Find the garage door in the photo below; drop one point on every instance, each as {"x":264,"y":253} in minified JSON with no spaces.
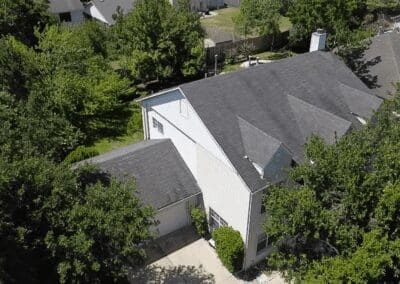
{"x":173,"y":218}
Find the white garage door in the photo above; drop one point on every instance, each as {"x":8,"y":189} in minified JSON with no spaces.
{"x":173,"y":218}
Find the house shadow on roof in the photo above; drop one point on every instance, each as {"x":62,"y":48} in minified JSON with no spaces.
{"x":362,"y":67}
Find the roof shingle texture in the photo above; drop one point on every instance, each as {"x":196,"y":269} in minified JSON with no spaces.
{"x":63,"y":6}
{"x":383,"y":59}
{"x":288,"y":100}
{"x":162,"y":177}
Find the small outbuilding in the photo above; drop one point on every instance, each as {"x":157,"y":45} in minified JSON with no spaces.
{"x":162,"y":179}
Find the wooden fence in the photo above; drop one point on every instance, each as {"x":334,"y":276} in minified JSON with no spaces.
{"x":260,"y":44}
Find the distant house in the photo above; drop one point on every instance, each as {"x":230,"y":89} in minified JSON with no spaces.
{"x":105,"y":10}
{"x":239,"y":133}
{"x":69,"y":11}
{"x":162,"y":178}
{"x":382,"y":62}
{"x":203,"y":5}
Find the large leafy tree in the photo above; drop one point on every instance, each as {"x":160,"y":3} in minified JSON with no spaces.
{"x":80,"y":82}
{"x":20,"y":17}
{"x":340,"y":18}
{"x":340,"y":223}
{"x":159,"y":41}
{"x":260,"y":17}
{"x":68,"y":226}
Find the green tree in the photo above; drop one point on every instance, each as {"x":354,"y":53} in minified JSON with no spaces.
{"x":159,"y":41}
{"x":74,"y":226}
{"x":20,"y":17}
{"x":339,"y":223}
{"x":260,"y":17}
{"x":339,"y":18}
{"x":97,"y":237}
{"x":80,"y":82}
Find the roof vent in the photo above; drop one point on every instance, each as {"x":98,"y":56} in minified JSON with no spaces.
{"x":318,"y":40}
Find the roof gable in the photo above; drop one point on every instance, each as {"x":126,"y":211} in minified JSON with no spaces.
{"x":279,"y":103}
{"x":162,"y":177}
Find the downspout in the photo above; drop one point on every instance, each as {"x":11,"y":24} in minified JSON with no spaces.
{"x":248,"y":230}
{"x":145,"y":122}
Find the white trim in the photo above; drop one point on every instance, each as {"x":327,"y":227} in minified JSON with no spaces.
{"x":178,"y":202}
{"x":139,"y":100}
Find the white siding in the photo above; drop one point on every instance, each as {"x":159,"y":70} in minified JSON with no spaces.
{"x":185,"y":130}
{"x":223,"y":191}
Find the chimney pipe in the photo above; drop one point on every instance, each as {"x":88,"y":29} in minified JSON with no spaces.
{"x":318,"y":40}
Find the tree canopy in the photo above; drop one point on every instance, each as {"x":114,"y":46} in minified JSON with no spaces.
{"x":159,"y":41}
{"x":341,"y":223}
{"x":20,"y":18}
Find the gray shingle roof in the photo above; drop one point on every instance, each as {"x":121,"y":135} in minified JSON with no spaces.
{"x":286,"y":101}
{"x":62,"y":6}
{"x":162,"y":177}
{"x":109,"y":7}
{"x":385,"y":50}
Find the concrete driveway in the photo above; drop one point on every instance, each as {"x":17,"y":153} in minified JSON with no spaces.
{"x":195,"y":262}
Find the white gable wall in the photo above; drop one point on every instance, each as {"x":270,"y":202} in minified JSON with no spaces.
{"x":223,"y":189}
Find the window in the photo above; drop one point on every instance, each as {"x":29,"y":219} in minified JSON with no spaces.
{"x":262,"y":208}
{"x":65,"y":17}
{"x":262,"y":242}
{"x":216,"y":221}
{"x":158,"y":125}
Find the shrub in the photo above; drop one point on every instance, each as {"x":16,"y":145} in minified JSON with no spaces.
{"x":135,"y":122}
{"x":199,"y":221}
{"x":230,"y":248}
{"x":79,"y":154}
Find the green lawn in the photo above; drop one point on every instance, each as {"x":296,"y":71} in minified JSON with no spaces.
{"x":224,"y":22}
{"x":108,"y":144}
{"x":267,"y":55}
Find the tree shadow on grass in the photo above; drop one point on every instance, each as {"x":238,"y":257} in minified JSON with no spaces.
{"x":181,"y":274}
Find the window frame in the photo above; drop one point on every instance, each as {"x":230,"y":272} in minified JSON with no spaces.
{"x":262,"y":243}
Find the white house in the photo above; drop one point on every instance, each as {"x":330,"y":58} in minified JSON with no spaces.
{"x":203,"y":5}
{"x":68,"y":11}
{"x":239,"y":133}
{"x":105,"y":10}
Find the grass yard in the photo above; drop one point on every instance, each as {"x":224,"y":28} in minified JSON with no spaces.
{"x":108,"y":144}
{"x":267,"y":55}
{"x":224,"y":21}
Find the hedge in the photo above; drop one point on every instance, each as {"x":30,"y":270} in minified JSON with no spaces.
{"x":199,"y":221}
{"x":230,"y":248}
{"x":80,"y":153}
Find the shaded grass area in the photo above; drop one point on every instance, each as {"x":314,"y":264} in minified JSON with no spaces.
{"x":132,"y":133}
{"x":224,"y":21}
{"x":108,"y":144}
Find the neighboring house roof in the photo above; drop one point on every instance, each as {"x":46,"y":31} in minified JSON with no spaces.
{"x":262,"y":113}
{"x":383,"y":61}
{"x":63,"y":6}
{"x":162,"y":177}
{"x":108,"y":8}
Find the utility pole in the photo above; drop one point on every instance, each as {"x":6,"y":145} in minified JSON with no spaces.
{"x":216,"y":64}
